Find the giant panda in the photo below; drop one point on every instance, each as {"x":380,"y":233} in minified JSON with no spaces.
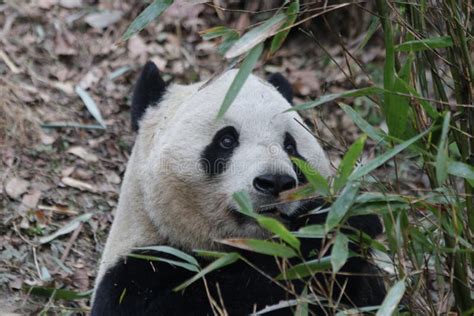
{"x":177,"y":191}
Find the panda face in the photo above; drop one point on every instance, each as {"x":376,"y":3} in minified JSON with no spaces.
{"x":195,"y":162}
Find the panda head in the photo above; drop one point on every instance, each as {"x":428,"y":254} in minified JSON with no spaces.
{"x":187,"y":163}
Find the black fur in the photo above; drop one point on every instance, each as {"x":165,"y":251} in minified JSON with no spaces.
{"x":142,"y":287}
{"x":214,"y":158}
{"x":289,"y":140}
{"x":282,"y":85}
{"x":148,"y":90}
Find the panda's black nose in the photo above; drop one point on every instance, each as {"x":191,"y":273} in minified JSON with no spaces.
{"x":274,"y":183}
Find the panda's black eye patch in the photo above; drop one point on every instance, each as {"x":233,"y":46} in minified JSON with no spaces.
{"x":289,"y":145}
{"x":216,"y":155}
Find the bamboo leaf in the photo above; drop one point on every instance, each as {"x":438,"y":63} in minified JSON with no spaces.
{"x":424,"y":44}
{"x":392,"y":299}
{"x":348,"y":162}
{"x":380,"y":160}
{"x":219,"y":263}
{"x":58,"y":294}
{"x":245,"y":69}
{"x":181,"y":264}
{"x":442,"y":154}
{"x":154,"y":10}
{"x":66,"y":229}
{"x":460,"y":169}
{"x":331,"y":97}
{"x":279,"y":38}
{"x":342,"y":204}
{"x":317,"y":181}
{"x":172,"y":251}
{"x":305,"y":269}
{"x":372,"y":132}
{"x":245,"y":205}
{"x":339,"y":252}
{"x":261,"y":246}
{"x":280,"y":230}
{"x":256,"y":36}
{"x":90,"y":105}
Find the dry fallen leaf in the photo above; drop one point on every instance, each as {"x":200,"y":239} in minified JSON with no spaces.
{"x":82,"y":153}
{"x":81,"y":185}
{"x":70,"y":4}
{"x":103,"y":19}
{"x":31,"y":200}
{"x":16,"y":187}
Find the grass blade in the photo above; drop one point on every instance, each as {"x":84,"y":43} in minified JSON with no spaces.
{"x":219,"y":263}
{"x":150,"y":13}
{"x":245,"y":69}
{"x":256,"y":36}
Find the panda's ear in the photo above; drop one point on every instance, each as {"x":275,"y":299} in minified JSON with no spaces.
{"x":282,"y":85}
{"x":148,"y":90}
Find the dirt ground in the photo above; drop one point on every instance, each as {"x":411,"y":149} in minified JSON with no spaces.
{"x":60,"y":175}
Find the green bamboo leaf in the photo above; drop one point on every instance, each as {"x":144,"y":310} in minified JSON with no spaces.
{"x":374,"y":25}
{"x":261,"y":246}
{"x":256,"y":36}
{"x":245,"y":204}
{"x":339,"y":252}
{"x":424,"y":44}
{"x":58,"y":294}
{"x":172,"y":251}
{"x":181,"y":264}
{"x":331,"y":97}
{"x":442,"y":154}
{"x":219,"y":263}
{"x":317,"y":181}
{"x":312,"y":231}
{"x":392,"y":299}
{"x":396,"y":106}
{"x":245,"y":69}
{"x":374,"y":133}
{"x":279,"y":38}
{"x":380,"y":160}
{"x":218,"y":31}
{"x":348,"y":162}
{"x":305,"y":269}
{"x":342,"y":204}
{"x":460,"y":169}
{"x":280,"y":230}
{"x":150,"y":13}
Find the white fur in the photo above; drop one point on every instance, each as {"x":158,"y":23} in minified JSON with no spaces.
{"x":166,"y":196}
